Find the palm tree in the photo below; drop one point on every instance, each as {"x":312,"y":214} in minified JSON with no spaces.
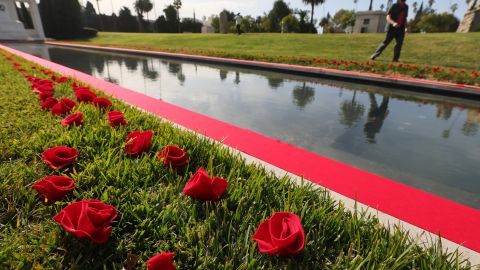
{"x":143,"y":6}
{"x":178,"y":4}
{"x":99,"y":16}
{"x":313,"y":3}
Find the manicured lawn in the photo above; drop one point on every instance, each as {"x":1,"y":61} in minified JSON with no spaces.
{"x":447,"y":49}
{"x":153,"y":214}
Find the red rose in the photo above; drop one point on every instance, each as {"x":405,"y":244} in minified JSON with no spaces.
{"x":102,"y":103}
{"x":65,"y":105}
{"x":54,"y":188}
{"x":44,"y":95}
{"x":138,"y":142}
{"x":62,"y":80}
{"x":59,"y":157}
{"x":116,"y":119}
{"x":85,"y":95}
{"x":173,"y":156}
{"x":282,"y":235}
{"x":49,"y":103}
{"x":163,"y":261}
{"x":89,"y":219}
{"x":202,"y":187}
{"x":73,"y":119}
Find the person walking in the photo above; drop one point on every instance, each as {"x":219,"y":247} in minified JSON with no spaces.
{"x":397,"y":26}
{"x":238,"y":21}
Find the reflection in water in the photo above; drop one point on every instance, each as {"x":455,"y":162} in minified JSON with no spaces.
{"x":427,"y":142}
{"x":376,"y":116}
{"x":275,"y":82}
{"x":303,"y":95}
{"x":237,"y":78}
{"x":223,"y":74}
{"x":351,"y":111}
{"x":470,"y":128}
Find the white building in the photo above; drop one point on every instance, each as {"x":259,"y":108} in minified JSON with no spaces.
{"x":370,"y":22}
{"x":11,"y":16}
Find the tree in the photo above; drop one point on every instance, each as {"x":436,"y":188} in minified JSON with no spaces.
{"x":303,"y":26}
{"x":430,"y":3}
{"x":90,"y":17}
{"x":61,"y":18}
{"x":454,"y":8}
{"x":191,"y":25}
{"x":443,"y":22}
{"x":178,"y":5}
{"x":313,"y":3}
{"x":344,"y":18}
{"x":291,"y":23}
{"x":141,"y":7}
{"x":171,"y":17}
{"x":279,"y":11}
{"x":126,"y":21}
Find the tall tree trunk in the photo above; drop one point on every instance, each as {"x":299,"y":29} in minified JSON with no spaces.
{"x":311,"y":18}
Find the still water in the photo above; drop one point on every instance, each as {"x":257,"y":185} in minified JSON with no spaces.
{"x":428,"y":142}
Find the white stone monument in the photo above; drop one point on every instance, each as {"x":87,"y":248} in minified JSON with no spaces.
{"x":11,"y":28}
{"x":471,"y":20}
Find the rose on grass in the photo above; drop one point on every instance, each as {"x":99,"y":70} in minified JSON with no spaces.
{"x":54,"y":188}
{"x":62,"y":79}
{"x":44,"y":95}
{"x":202,"y":187}
{"x":102,"y":103}
{"x":88,"y":219}
{"x":49,"y":103}
{"x":282,"y":235}
{"x":138,"y":142}
{"x":162,"y":261}
{"x":85,"y":95}
{"x":73,"y":119}
{"x":116,"y":119}
{"x":59,"y":157}
{"x":173,"y":156}
{"x":65,"y":105}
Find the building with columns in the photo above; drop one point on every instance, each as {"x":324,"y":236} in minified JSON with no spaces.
{"x":20,"y":20}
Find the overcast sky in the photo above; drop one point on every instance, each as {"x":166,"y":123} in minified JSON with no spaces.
{"x":258,"y":7}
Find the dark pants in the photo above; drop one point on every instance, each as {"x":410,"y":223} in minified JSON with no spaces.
{"x":393,"y":33}
{"x":238,"y":29}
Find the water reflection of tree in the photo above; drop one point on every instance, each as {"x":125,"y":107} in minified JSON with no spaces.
{"x":376,"y":116}
{"x":131,"y":63}
{"x":351,"y":111}
{"x":444,"y":110}
{"x":237,"y":78}
{"x":303,"y":95}
{"x":223,"y":74}
{"x":470,"y":127}
{"x":275,"y":83}
{"x":148,"y":70}
{"x":177,"y":70}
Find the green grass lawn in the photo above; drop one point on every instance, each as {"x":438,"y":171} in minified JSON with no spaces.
{"x":153,"y":214}
{"x":446,"y":49}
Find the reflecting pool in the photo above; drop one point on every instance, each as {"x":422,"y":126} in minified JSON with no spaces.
{"x":425,"y":141}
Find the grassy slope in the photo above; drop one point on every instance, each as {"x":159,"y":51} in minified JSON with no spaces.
{"x":446,"y":49}
{"x":153,"y":216}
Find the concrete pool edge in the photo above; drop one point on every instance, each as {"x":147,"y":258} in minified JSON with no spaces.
{"x":455,"y":222}
{"x":407,"y":83}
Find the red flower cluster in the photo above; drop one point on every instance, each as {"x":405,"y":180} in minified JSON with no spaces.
{"x":282,"y":234}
